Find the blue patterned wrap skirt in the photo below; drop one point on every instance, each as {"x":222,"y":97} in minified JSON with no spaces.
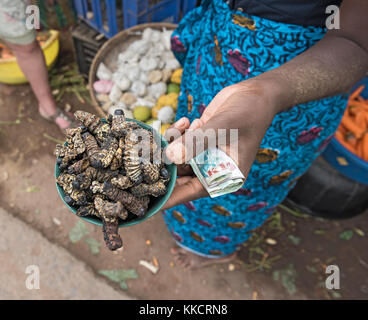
{"x":218,"y":47}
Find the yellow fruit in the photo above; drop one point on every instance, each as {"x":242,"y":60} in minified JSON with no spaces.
{"x":164,"y":127}
{"x":176,"y":76}
{"x":175,"y":97}
{"x":155,"y":110}
{"x":142,"y":113}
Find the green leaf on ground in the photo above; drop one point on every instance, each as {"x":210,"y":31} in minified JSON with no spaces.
{"x":37,"y":211}
{"x":346,"y":235}
{"x":120,"y":276}
{"x":335,"y":295}
{"x":78,"y":232}
{"x":319,"y":232}
{"x":311,"y":269}
{"x":293,"y":212}
{"x":295,"y":240}
{"x":30,"y":189}
{"x":287,"y":277}
{"x":94,"y":245}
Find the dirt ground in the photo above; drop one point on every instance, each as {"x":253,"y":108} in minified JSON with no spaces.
{"x":285,"y":259}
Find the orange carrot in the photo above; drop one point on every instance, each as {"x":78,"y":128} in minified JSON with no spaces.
{"x":349,"y":124}
{"x":360,"y":119}
{"x":346,"y":145}
{"x":356,"y":92}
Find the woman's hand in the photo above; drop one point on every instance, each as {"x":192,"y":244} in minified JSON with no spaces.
{"x":248,"y":107}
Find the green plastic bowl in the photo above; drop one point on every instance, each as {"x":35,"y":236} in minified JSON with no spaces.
{"x":155,"y":204}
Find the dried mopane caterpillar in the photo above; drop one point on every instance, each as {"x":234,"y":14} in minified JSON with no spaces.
{"x":137,"y":152}
{"x":100,"y":157}
{"x":79,"y":166}
{"x":117,"y":160}
{"x":93,"y":150}
{"x":151,"y":172}
{"x":84,"y":180}
{"x":89,"y":120}
{"x":102,"y":132}
{"x":131,"y":158}
{"x":109,"y":213}
{"x":132,"y":203}
{"x":87,"y":210}
{"x":75,"y":147}
{"x":122,"y":182}
{"x":109,"y":148}
{"x":76,"y":198}
{"x":65,"y":180}
{"x":156,"y":189}
{"x":119,"y":126}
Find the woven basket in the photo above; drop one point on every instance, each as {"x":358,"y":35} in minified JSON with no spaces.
{"x":108,"y":54}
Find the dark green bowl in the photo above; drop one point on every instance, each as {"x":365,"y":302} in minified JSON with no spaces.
{"x":156,"y":203}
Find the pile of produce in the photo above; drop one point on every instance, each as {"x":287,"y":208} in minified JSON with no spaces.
{"x":146,"y":82}
{"x":110,"y":169}
{"x":5,"y":52}
{"x":353,"y":130}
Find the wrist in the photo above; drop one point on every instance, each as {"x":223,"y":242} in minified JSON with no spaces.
{"x":273,"y":92}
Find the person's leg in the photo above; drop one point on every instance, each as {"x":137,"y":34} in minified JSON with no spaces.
{"x":32,"y":62}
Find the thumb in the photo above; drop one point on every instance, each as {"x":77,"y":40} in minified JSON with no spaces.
{"x":198,"y":138}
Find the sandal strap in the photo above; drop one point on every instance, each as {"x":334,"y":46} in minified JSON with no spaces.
{"x":60,"y":114}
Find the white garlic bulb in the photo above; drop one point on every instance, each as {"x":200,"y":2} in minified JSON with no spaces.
{"x":103,"y":73}
{"x":143,"y":77}
{"x":140,"y":46}
{"x":156,"y":50}
{"x":132,"y":72}
{"x":166,"y":114}
{"x":127,"y":56}
{"x":121,"y":81}
{"x":166,"y":38}
{"x":146,"y":102}
{"x":172,"y":64}
{"x":115,"y":93}
{"x":155,"y":36}
{"x":157,"y":90}
{"x":167,"y":55}
{"x":138,"y":88}
{"x":148,"y":63}
{"x":147,"y":34}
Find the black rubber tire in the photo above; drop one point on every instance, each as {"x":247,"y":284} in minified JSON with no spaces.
{"x":324,"y":192}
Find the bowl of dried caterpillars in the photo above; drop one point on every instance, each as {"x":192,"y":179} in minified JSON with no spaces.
{"x":111,"y":172}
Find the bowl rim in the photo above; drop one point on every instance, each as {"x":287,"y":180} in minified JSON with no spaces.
{"x":359,"y":162}
{"x":164,"y":198}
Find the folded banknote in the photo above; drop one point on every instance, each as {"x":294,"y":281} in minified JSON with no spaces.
{"x":217,"y":172}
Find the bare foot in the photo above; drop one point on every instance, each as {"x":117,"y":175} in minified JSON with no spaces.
{"x":190,"y":260}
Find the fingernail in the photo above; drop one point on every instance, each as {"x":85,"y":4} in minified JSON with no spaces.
{"x":195,"y":124}
{"x":180,"y":123}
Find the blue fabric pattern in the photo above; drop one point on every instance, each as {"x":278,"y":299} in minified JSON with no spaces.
{"x":219,"y":47}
